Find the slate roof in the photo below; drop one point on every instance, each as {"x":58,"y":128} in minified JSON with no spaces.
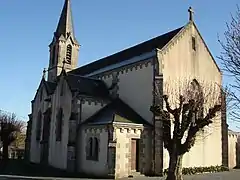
{"x":233,"y":132}
{"x":147,"y":46}
{"x":87,"y":86}
{"x":50,"y":86}
{"x":84,"y":85}
{"x":97,"y":88}
{"x":117,"y":107}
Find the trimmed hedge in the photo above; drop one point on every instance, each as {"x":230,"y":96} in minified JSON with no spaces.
{"x":199,"y":170}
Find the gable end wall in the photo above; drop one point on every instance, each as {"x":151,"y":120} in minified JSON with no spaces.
{"x":182,"y":63}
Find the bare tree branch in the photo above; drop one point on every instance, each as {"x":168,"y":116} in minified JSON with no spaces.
{"x":189,"y":107}
{"x":230,"y":60}
{"x":10,"y":125}
{"x":200,"y":124}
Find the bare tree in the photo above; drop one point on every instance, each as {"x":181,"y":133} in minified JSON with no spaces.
{"x":189,"y":107}
{"x":10,"y":126}
{"x":230,"y":59}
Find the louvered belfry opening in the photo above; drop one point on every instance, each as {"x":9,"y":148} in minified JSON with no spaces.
{"x":69,"y":54}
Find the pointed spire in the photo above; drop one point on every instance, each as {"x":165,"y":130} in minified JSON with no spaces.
{"x":65,"y":24}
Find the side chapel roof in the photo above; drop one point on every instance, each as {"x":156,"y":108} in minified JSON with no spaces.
{"x":87,"y":86}
{"x":50,"y":86}
{"x":84,"y":85}
{"x":117,"y":108}
{"x":147,"y":46}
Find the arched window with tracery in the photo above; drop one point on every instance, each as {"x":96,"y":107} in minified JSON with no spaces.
{"x":96,"y":149}
{"x":39,"y":126}
{"x":69,"y":54}
{"x":197,"y":95}
{"x":89,"y":148}
{"x":92,"y":149}
{"x":59,"y":123}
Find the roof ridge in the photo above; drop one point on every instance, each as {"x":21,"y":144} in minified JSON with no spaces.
{"x":50,"y":82}
{"x":136,"y":50}
{"x":155,"y":37}
{"x":85,"y":77}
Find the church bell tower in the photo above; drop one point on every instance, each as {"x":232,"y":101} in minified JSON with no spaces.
{"x":64,"y":47}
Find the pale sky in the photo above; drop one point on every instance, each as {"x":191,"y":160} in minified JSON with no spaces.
{"x":102,"y":28}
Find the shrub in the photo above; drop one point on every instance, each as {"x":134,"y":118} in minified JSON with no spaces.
{"x":199,"y":170}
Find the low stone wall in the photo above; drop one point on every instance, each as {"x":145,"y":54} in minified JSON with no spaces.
{"x":233,"y":149}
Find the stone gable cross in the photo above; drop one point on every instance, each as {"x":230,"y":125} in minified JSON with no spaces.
{"x":44,"y":73}
{"x":190,"y":10}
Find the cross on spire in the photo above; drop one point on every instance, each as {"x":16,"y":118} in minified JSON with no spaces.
{"x":190,"y":10}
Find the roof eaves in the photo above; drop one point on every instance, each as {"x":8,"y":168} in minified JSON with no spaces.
{"x":164,"y":48}
{"x":38,"y":89}
{"x":91,"y":119}
{"x":205,"y":44}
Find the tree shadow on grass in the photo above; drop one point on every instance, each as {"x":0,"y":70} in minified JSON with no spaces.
{"x":23,"y":168}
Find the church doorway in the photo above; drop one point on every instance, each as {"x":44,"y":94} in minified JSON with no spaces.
{"x":135,"y":155}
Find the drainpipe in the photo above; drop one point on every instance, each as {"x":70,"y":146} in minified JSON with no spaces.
{"x":157,"y":72}
{"x":153,"y":102}
{"x":108,"y":140}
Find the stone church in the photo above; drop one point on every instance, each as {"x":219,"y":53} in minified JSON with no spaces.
{"x":96,"y":118}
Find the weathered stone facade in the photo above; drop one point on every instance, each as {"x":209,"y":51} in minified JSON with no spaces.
{"x":99,"y":115}
{"x":124,"y":134}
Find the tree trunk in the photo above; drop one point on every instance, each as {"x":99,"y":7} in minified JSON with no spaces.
{"x":175,"y":167}
{"x":5,"y":151}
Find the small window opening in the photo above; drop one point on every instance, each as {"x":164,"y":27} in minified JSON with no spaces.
{"x":53,"y":54}
{"x":194,"y":43}
{"x":59,"y":123}
{"x":39,"y":126}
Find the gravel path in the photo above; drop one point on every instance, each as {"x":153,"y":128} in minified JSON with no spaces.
{"x":231,"y":175}
{"x":228,"y":175}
